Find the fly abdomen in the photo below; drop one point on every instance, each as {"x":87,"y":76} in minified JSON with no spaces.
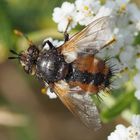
{"x":87,"y":78}
{"x":90,"y":82}
{"x":90,"y":74}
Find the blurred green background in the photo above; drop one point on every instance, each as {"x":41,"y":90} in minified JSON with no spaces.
{"x":25,"y":113}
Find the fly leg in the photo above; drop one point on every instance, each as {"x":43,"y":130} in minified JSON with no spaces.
{"x":49,"y":43}
{"x":66,"y":35}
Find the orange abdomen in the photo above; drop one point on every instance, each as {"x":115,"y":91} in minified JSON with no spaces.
{"x":90,"y":74}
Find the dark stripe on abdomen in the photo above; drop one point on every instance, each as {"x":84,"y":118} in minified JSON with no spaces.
{"x":86,"y":77}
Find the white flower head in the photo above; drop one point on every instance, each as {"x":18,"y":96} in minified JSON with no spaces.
{"x":137,"y":94}
{"x":86,"y":10}
{"x":122,"y":3}
{"x":119,"y":82}
{"x":119,"y":133}
{"x":127,"y":133}
{"x":117,"y":6}
{"x":134,"y":12}
{"x":133,"y":133}
{"x":127,"y":56}
{"x":125,"y":19}
{"x":138,"y":25}
{"x":104,"y":11}
{"x":64,"y":15}
{"x":138,"y":63}
{"x":136,"y":121}
{"x":136,"y":81}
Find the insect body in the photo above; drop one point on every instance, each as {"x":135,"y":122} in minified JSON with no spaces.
{"x":72,"y":70}
{"x":91,"y":74}
{"x":51,"y":66}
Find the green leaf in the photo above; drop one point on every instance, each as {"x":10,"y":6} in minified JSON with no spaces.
{"x":26,"y":133}
{"x":121,"y":104}
{"x":135,"y":107}
{"x":137,"y":39}
{"x":102,"y":2}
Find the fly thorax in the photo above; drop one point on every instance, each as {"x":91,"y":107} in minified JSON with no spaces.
{"x":51,"y":66}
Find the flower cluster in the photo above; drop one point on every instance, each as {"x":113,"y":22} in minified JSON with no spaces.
{"x":127,"y":133}
{"x":125,"y":27}
{"x":137,"y":79}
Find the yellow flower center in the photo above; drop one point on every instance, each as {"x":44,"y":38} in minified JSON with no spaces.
{"x":86,"y":8}
{"x":133,"y":133}
{"x":122,"y":8}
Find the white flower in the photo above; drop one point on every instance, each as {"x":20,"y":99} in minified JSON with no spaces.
{"x":118,"y":134}
{"x":117,"y":6}
{"x":137,"y":94}
{"x":125,"y":22}
{"x":134,"y":15}
{"x":104,"y":11}
{"x":133,"y":133}
{"x":134,"y":12}
{"x":122,"y":3}
{"x":86,"y":10}
{"x":124,"y":77}
{"x":136,"y":121}
{"x":138,"y":63}
{"x":138,"y":25}
{"x":136,"y":81}
{"x":127,"y":56}
{"x":127,"y":133}
{"x":64,"y":15}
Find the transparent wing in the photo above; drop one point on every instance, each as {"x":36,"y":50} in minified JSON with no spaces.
{"x":80,"y":104}
{"x":91,"y":39}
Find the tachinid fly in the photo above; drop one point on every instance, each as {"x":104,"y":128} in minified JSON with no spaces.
{"x":72,"y":70}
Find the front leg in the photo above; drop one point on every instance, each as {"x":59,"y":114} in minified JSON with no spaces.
{"x":49,"y":44}
{"x":66,"y":36}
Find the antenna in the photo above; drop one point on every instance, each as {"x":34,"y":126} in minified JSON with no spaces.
{"x":19,"y":33}
{"x":13,"y":57}
{"x":17,"y":56}
{"x":13,"y":52}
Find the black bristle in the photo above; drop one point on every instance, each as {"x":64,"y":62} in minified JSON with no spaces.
{"x":107,"y":59}
{"x":99,"y":98}
{"x":110,"y":77}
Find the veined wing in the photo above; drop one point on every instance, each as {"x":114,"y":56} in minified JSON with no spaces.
{"x":79,"y":103}
{"x":91,"y":39}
